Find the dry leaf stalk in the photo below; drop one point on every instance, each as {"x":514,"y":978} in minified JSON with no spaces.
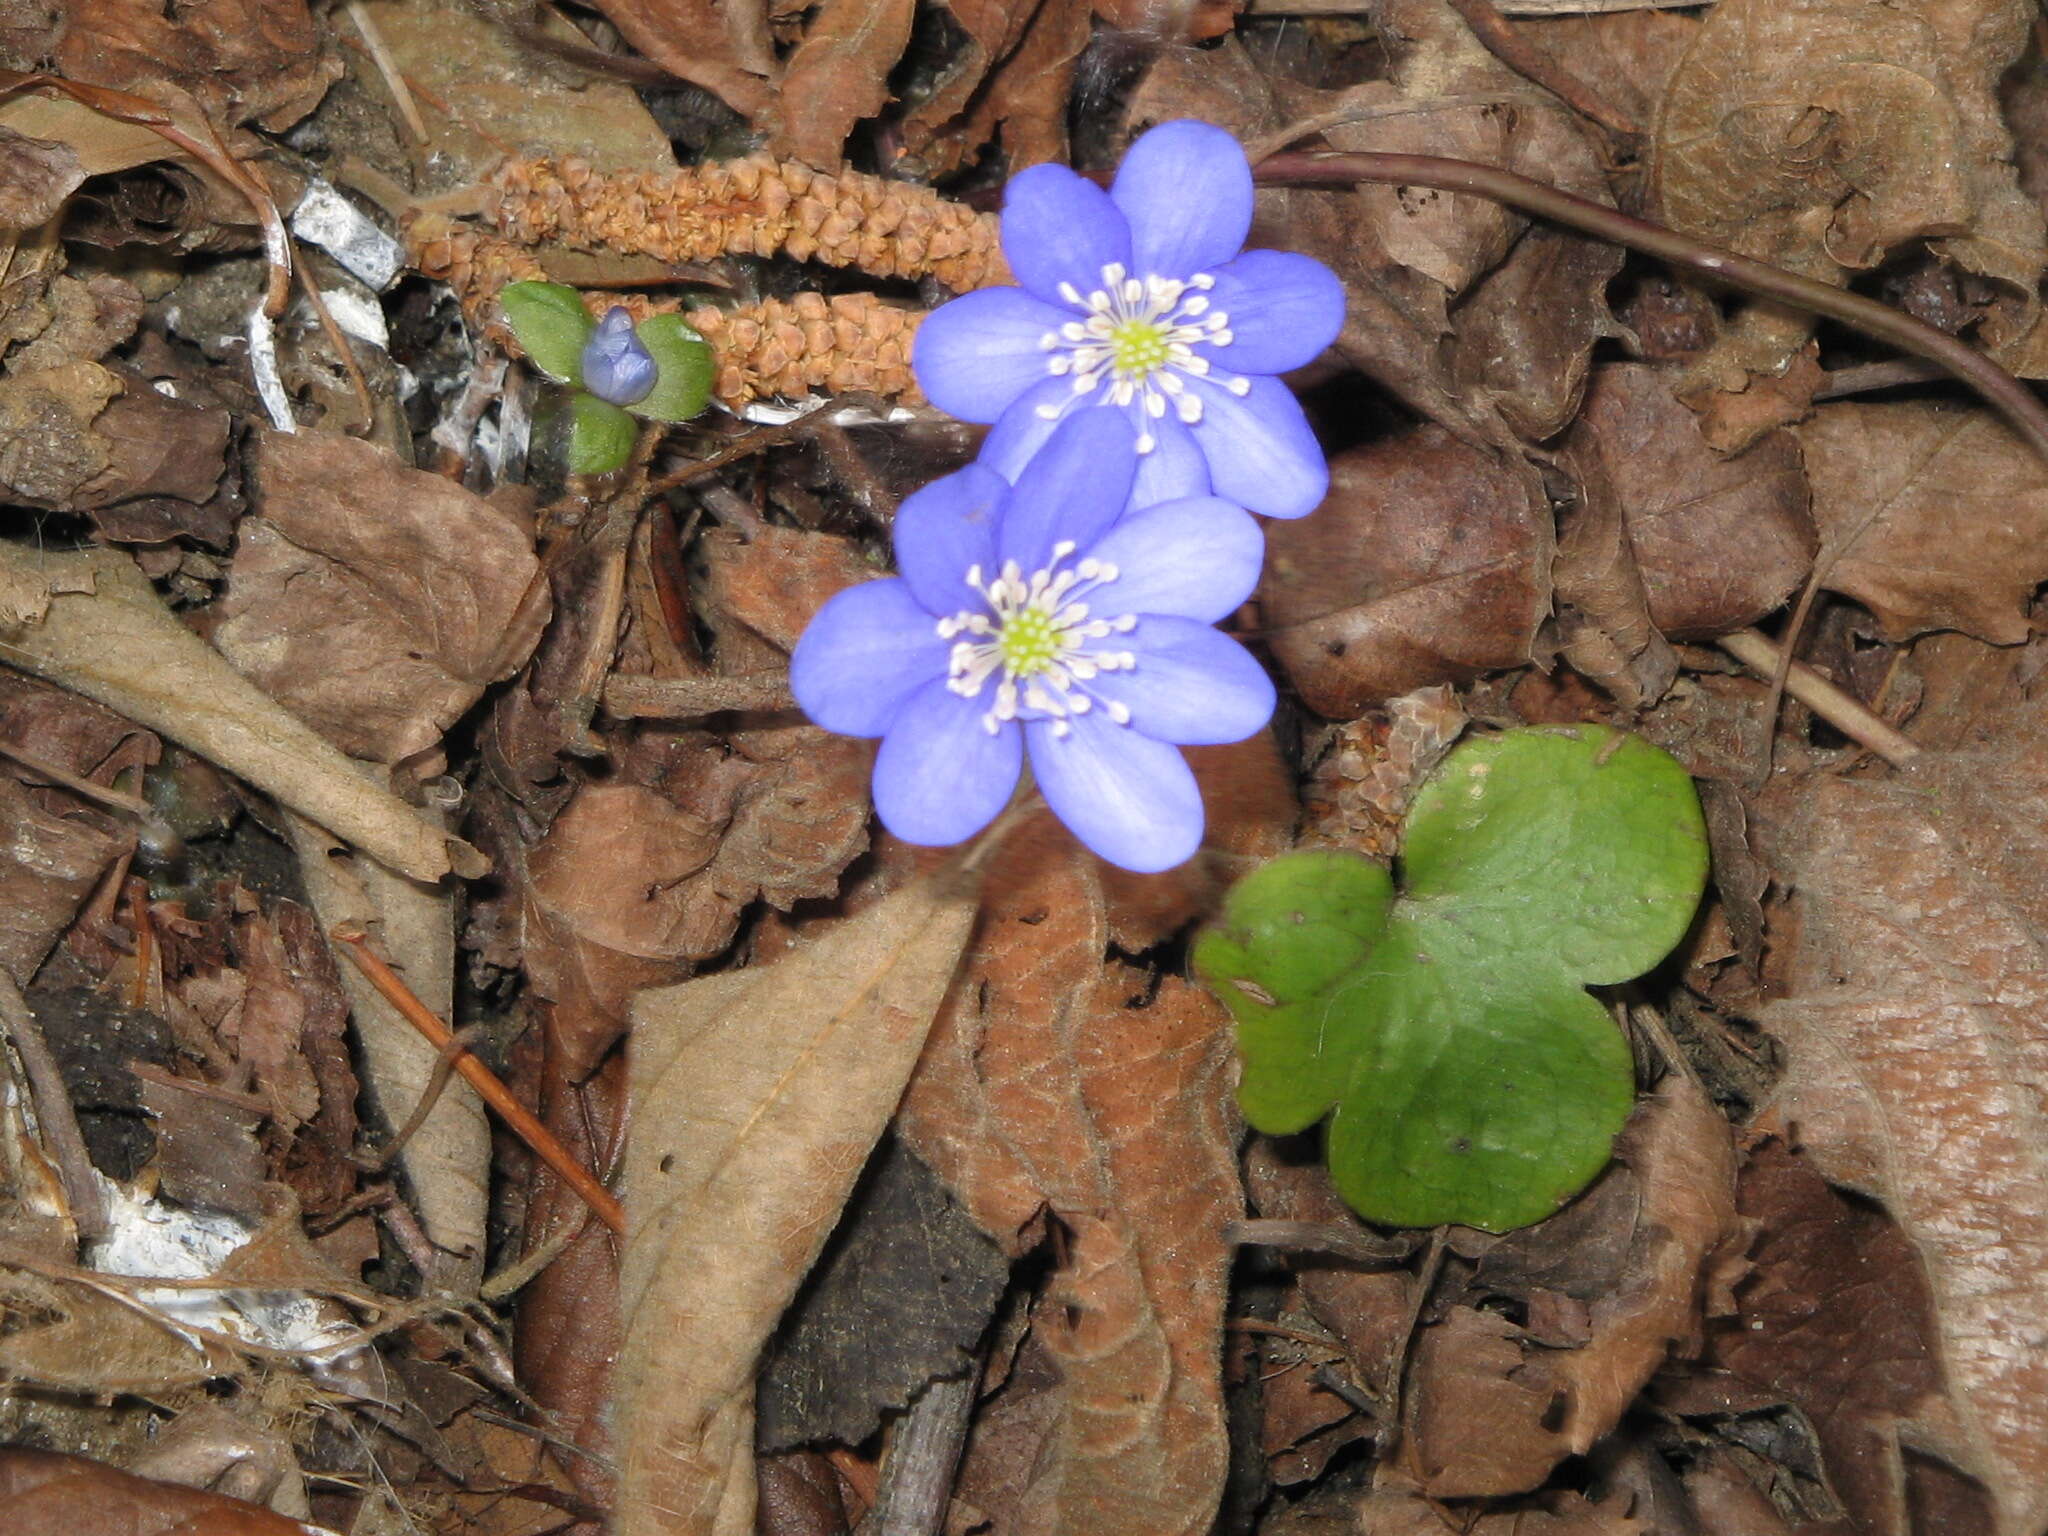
{"x":756,"y":207}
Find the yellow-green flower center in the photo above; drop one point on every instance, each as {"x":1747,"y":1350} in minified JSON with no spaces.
{"x":1137,"y":348}
{"x":1037,"y":641}
{"x":1029,"y":642}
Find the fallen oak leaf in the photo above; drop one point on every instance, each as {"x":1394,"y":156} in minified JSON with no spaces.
{"x":757,"y":1095}
{"x":1933,"y":517}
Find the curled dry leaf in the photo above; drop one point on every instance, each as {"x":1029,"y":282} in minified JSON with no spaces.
{"x":1914,"y":1047}
{"x":244,"y":60}
{"x":1490,"y":1411}
{"x":1718,"y":542}
{"x":1932,"y":516}
{"x":839,"y":74}
{"x":375,"y":601}
{"x":46,"y":1493}
{"x":1428,"y":563}
{"x":108,"y":636}
{"x":757,"y":1095}
{"x":721,"y":45}
{"x":1052,"y":1090}
{"x":1822,"y":134}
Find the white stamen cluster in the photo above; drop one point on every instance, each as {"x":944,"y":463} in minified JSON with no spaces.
{"x":1138,"y":336}
{"x":1038,"y":634}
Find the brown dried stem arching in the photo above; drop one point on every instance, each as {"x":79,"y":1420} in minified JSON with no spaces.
{"x":1999,"y":389}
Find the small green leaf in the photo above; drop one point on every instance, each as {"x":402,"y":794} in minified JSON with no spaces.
{"x":684,"y":364}
{"x":600,"y":435}
{"x":1468,"y":1075}
{"x":552,"y":326}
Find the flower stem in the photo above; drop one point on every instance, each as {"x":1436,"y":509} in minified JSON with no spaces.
{"x":1999,"y":389}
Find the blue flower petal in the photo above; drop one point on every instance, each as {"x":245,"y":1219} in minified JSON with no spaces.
{"x":1187,"y":190}
{"x":1173,"y":469}
{"x":941,"y":776}
{"x":1130,"y":798}
{"x":868,"y":650}
{"x":1072,"y":490}
{"x":1192,"y":686}
{"x":1061,"y":228}
{"x":980,"y":352}
{"x":1261,"y":452}
{"x":1021,"y":431}
{"x":1195,"y":559}
{"x":617,"y":368}
{"x":1282,"y":308}
{"x":944,"y":529}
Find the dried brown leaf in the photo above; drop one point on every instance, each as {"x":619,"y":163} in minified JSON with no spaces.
{"x":1933,"y":517}
{"x":1491,"y":1412}
{"x":1836,"y":1317}
{"x":1053,"y":1089}
{"x":992,"y":28}
{"x":46,"y":1493}
{"x":48,"y":450}
{"x":839,"y":74}
{"x":1428,"y":563}
{"x":511,"y":94}
{"x":1913,"y":1031}
{"x":1719,"y":542}
{"x":721,"y":45}
{"x":244,"y":60}
{"x":1823,"y":134}
{"x":37,"y":176}
{"x":757,"y":1096}
{"x":1391,"y":1512}
{"x":1530,"y":303}
{"x":374,"y":600}
{"x":49,"y":863}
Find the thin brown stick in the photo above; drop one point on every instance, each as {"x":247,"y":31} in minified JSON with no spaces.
{"x":1760,"y":654}
{"x":1998,"y":389}
{"x":1533,"y":64}
{"x":546,"y":1147}
{"x":57,"y":1120}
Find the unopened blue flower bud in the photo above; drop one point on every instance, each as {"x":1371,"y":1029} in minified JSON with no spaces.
{"x":616,"y":367}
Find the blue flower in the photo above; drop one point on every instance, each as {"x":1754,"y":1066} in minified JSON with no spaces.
{"x":1138,"y":298}
{"x":1044,"y":620}
{"x":616,"y":367}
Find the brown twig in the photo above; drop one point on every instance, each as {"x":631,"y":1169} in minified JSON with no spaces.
{"x":1998,"y":389}
{"x":1533,"y":64}
{"x":54,"y":1114}
{"x":546,"y":1147}
{"x":1761,"y":655}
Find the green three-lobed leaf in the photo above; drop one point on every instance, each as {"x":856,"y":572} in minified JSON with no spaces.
{"x":1445,"y":1030}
